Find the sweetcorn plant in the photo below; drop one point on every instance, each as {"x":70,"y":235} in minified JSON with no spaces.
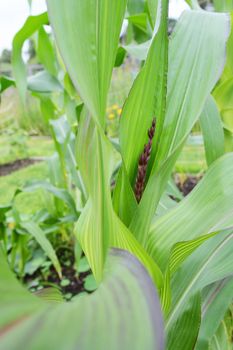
{"x":136,"y":238}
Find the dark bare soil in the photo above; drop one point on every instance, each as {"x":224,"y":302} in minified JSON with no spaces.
{"x":49,"y":278}
{"x":8,"y":168}
{"x":76,"y":285}
{"x":188,"y":185}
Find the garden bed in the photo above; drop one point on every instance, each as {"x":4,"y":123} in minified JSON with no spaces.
{"x":8,"y":168}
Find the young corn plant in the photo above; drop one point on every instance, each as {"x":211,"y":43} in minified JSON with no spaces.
{"x":134,"y":243}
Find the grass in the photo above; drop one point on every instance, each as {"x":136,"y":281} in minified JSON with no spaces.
{"x":192,"y":158}
{"x":18,"y":145}
{"x":13,"y":115}
{"x":25,"y":202}
{"x":191,"y":161}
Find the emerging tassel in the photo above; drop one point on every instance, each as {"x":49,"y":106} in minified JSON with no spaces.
{"x":143,"y":163}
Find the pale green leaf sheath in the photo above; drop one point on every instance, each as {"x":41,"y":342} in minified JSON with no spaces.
{"x":89,"y":46}
{"x":98,"y":227}
{"x":32,"y":24}
{"x":31,"y":323}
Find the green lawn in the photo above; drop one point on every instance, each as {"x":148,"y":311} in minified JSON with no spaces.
{"x":192,"y":160}
{"x":19,"y":145}
{"x":25,"y":202}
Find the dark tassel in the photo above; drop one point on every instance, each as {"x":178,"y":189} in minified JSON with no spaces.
{"x":143,"y":163}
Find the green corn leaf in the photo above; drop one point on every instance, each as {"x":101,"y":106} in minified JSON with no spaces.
{"x":32,"y":24}
{"x":88,"y":51}
{"x":223,"y":95}
{"x":140,"y":21}
{"x":212,"y":130}
{"x":198,"y":271}
{"x":16,"y":302}
{"x":33,"y":229}
{"x":185,"y":330}
{"x":179,"y":252}
{"x":220,"y":340}
{"x":141,"y":105}
{"x":228,"y":69}
{"x":98,"y":227}
{"x":5,"y":83}
{"x":165,"y":204}
{"x":51,"y":294}
{"x":223,"y":5}
{"x":153,"y":10}
{"x":43,"y":82}
{"x":122,"y":318}
{"x":138,"y":51}
{"x":193,"y":4}
{"x":187,"y":65}
{"x":65,"y":145}
{"x":206,"y":209}
{"x":62,"y":194}
{"x":139,"y":109}
{"x":46,"y":53}
{"x":215,"y":301}
{"x":135,"y":6}
{"x":173,"y":190}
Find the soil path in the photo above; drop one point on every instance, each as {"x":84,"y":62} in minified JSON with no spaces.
{"x":8,"y":168}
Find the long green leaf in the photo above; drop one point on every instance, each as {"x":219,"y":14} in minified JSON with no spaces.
{"x":216,"y":300}
{"x":46,"y":52}
{"x":220,"y":340}
{"x":122,"y":318}
{"x":87,"y":34}
{"x":187,"y":93}
{"x":228,"y":69}
{"x":5,"y":83}
{"x":62,"y":194}
{"x":43,"y":82}
{"x":223,"y":5}
{"x":135,"y":6}
{"x":33,"y":229}
{"x":145,"y":101}
{"x":32,"y":24}
{"x":212,"y":130}
{"x":206,"y":209}
{"x":199,"y":270}
{"x":153,"y":10}
{"x":224,"y":96}
{"x":185,"y":330}
{"x":15,"y":302}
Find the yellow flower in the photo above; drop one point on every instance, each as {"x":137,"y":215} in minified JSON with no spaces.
{"x":115,"y":106}
{"x":111,"y":116}
{"x":11,"y":225}
{"x":119,"y":111}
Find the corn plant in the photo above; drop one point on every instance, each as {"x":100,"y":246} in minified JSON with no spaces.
{"x":136,"y":238}
{"x":58,"y":101}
